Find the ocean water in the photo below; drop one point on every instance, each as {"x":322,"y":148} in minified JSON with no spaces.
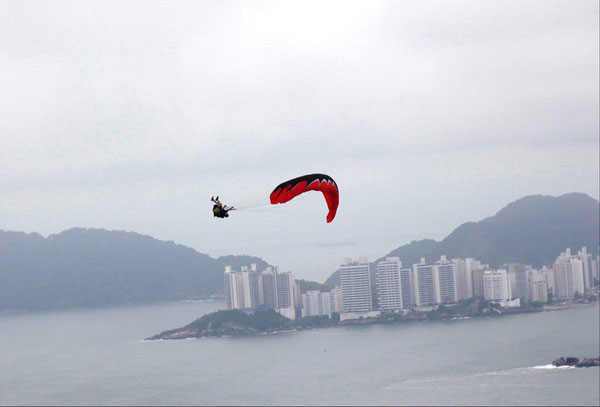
{"x":99,"y":357}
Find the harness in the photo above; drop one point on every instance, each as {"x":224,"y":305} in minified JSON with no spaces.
{"x":219,"y":212}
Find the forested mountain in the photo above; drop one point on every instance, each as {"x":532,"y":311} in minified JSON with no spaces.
{"x":91,"y":267}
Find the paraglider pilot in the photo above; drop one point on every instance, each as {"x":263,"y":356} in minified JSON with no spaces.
{"x":220,"y":210}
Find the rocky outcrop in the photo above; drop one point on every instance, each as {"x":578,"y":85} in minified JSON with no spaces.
{"x":227,"y":329}
{"x":592,"y":362}
{"x":576,"y":362}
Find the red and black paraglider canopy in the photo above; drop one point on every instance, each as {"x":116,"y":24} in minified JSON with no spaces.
{"x":313,"y":182}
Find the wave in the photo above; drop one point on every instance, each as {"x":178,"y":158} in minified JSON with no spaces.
{"x":550,"y":366}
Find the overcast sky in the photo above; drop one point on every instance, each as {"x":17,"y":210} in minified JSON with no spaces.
{"x":130,"y":115}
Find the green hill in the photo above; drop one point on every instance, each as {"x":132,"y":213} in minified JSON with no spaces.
{"x":93,"y":267}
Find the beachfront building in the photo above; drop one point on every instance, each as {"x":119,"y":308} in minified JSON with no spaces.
{"x":297,"y":297}
{"x":464,"y":288}
{"x":496,"y":286}
{"x":568,"y":275}
{"x":446,"y":281}
{"x":425,"y":284}
{"x":355,"y":279}
{"x":242,"y":288}
{"x":595,"y":270}
{"x":315,"y":303}
{"x":285,"y":295}
{"x":519,"y":280}
{"x":249,"y":290}
{"x":468,"y":274}
{"x":550,"y":281}
{"x":538,"y":286}
{"x":407,"y":288}
{"x":477,"y":280}
{"x":269,"y":287}
{"x":389,"y":284}
{"x":586,"y":260}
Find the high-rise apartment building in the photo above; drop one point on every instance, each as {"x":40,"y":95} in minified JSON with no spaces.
{"x":425,"y":283}
{"x":356,"y":288}
{"x":407,"y":288}
{"x":586,"y":260}
{"x":472,"y":265}
{"x":389,"y":284}
{"x":463,"y":270}
{"x":519,"y":280}
{"x":538,"y":286}
{"x":477,"y":279}
{"x":568,"y":275}
{"x":462,"y":280}
{"x":242,"y":288}
{"x":269,"y":286}
{"x":549,"y":275}
{"x":446,"y":281}
{"x":496,"y":286}
{"x":297,"y":295}
{"x":248,"y":289}
{"x":595,"y":270}
{"x":285,"y":294}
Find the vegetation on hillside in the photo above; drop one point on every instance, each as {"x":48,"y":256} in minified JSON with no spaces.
{"x":262,"y":320}
{"x":306,"y":285}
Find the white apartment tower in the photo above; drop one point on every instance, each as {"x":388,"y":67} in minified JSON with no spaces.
{"x":407,"y":288}
{"x":568,"y":275}
{"x":425,"y":283}
{"x":444,"y":272}
{"x":594,"y":269}
{"x":389,"y":284}
{"x":538,"y":286}
{"x":496,"y":286}
{"x":242,"y":288}
{"x":249,"y":290}
{"x":355,"y":281}
{"x":463,"y":270}
{"x":519,"y":280}
{"x":285,"y":295}
{"x":586,"y":260}
{"x":550,"y":280}
{"x":269,"y":288}
{"x":462,"y":280}
{"x":317,"y":303}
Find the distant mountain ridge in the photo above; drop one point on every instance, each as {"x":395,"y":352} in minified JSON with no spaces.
{"x":93,"y":267}
{"x":531,"y":230}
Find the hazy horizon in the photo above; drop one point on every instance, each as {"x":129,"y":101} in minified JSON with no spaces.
{"x":130,"y":116}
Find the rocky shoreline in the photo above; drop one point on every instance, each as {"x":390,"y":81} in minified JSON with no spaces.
{"x":576,"y":362}
{"x":225,"y":326}
{"x":226,"y":330}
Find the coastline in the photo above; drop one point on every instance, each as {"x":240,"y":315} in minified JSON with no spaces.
{"x":229,"y":329}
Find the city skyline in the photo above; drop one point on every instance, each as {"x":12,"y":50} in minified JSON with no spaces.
{"x":423,"y":287}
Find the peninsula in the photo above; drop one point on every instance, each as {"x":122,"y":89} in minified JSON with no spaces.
{"x":237,"y":323}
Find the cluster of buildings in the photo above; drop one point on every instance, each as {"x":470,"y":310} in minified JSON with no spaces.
{"x":422,"y":287}
{"x":250,"y":289}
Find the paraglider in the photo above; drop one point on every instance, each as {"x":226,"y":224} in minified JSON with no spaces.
{"x":220,"y":210}
{"x":288,"y":190}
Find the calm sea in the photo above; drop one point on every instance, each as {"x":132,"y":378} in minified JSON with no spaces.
{"x":98,"y":357}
